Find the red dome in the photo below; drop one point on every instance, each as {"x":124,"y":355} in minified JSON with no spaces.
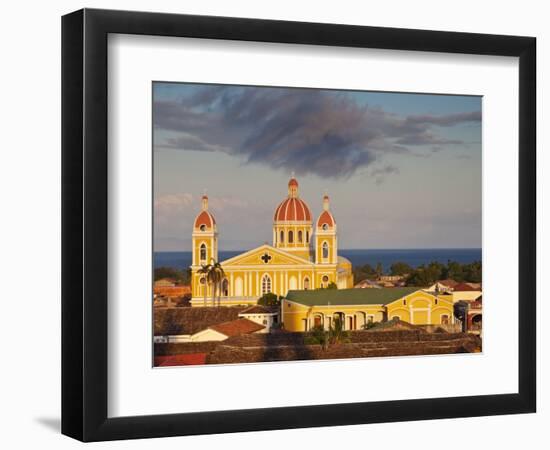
{"x":293,"y":182}
{"x":292,"y":209}
{"x":206,"y":219}
{"x":325,"y":217}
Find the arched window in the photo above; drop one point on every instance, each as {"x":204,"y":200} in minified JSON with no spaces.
{"x":307,"y":237}
{"x":324,"y":226}
{"x":282,"y":237}
{"x":203,"y":227}
{"x":203,"y":252}
{"x":225,"y":287}
{"x":324,"y":281}
{"x":300,"y":236}
{"x":306,"y":283}
{"x":325,"y":250}
{"x":266,"y":284}
{"x":290,"y":237}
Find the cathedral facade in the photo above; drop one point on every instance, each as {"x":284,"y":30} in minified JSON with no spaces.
{"x":303,"y":256}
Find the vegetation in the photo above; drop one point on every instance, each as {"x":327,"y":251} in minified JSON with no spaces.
{"x":364,"y":272}
{"x":269,"y":299}
{"x":461,"y":311}
{"x":400,"y":268}
{"x":424,"y":275}
{"x":213,"y":274}
{"x":325,"y":338}
{"x":332,"y":285}
{"x":179,"y":276}
{"x":370,"y":325}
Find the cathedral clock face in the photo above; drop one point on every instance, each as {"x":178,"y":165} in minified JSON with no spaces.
{"x":266,"y":257}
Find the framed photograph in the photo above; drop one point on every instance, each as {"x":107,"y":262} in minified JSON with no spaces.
{"x":273,"y":224}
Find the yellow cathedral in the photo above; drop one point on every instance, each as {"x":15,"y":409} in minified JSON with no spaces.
{"x":303,"y":256}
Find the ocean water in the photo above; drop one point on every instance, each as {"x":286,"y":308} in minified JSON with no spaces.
{"x":413,"y":257}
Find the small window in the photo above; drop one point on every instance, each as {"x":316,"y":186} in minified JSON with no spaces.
{"x":290,"y":237}
{"x":307,"y":237}
{"x":325,"y":250}
{"x":264,"y":322}
{"x":405,"y":302}
{"x":325,"y":279}
{"x":436,"y":301}
{"x":203,"y":227}
{"x":282,"y":238}
{"x":203,"y":252}
{"x":324,"y":226}
{"x":300,"y":236}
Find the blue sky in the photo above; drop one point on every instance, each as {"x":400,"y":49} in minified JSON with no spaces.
{"x":402,"y":170}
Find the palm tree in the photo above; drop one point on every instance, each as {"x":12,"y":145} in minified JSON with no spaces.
{"x":336,"y":332}
{"x":216,"y":276}
{"x":205,"y":271}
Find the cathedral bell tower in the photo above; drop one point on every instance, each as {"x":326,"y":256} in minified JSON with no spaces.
{"x":205,"y":236}
{"x":326,"y":241}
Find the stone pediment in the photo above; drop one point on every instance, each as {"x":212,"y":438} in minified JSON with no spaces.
{"x":265,"y":255}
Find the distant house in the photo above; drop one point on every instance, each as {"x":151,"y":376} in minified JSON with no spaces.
{"x":466,"y":291}
{"x":218,"y":332}
{"x":443,"y":286}
{"x":165,"y":282}
{"x":367,"y":284}
{"x":222,"y":331}
{"x":262,"y":315}
{"x":475,"y":316}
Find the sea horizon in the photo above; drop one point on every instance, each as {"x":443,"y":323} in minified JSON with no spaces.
{"x":358,"y":257}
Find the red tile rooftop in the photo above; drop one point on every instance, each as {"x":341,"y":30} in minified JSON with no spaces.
{"x":193,"y":359}
{"x":237,"y":327}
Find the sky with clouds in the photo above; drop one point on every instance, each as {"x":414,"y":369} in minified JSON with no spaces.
{"x":402,"y":170}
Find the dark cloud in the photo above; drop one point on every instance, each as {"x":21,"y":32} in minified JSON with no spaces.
{"x":304,"y":130}
{"x":446,"y":120}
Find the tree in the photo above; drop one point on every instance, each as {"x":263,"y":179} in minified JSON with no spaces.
{"x":379,"y":270}
{"x":460,"y":310}
{"x":336,"y":332}
{"x":204,"y":271}
{"x":318,"y":335}
{"x":400,"y":268}
{"x":216,"y":275}
{"x":269,"y":299}
{"x":332,"y":285}
{"x":169,"y":272}
{"x":365,"y":271}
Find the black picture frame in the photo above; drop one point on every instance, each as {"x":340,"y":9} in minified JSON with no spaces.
{"x":84,"y":224}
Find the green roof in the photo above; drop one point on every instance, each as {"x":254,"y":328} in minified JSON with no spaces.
{"x":342,"y":297}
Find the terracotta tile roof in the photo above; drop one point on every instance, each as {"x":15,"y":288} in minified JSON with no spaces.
{"x":463,"y":287}
{"x":237,"y":327}
{"x":258,"y":309}
{"x":449,"y":283}
{"x":192,"y":359}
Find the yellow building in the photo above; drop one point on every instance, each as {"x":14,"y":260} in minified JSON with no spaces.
{"x":303,"y":255}
{"x":302,"y":310}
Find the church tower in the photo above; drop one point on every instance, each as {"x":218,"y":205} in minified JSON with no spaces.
{"x":205,"y":236}
{"x":326,"y":241}
{"x":292,"y":224}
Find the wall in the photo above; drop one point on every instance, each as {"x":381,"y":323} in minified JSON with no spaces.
{"x":30,"y":186}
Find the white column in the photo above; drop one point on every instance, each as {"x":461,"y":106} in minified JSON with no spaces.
{"x":231,"y":288}
{"x":258,"y":289}
{"x":286,"y":281}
